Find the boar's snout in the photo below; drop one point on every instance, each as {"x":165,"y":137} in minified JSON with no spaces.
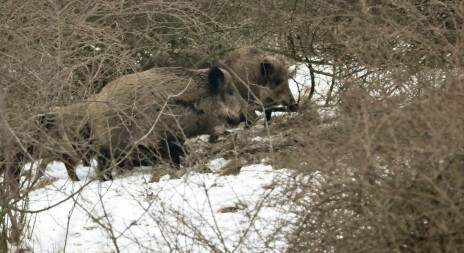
{"x":233,"y":121}
{"x":292,"y":106}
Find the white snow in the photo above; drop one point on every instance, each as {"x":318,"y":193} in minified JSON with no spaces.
{"x":301,"y":83}
{"x":130,"y":214}
{"x":216,"y":164}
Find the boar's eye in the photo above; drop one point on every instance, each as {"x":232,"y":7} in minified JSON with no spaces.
{"x":228,"y":93}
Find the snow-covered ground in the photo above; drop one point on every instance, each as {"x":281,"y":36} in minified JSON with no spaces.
{"x":197,"y":213}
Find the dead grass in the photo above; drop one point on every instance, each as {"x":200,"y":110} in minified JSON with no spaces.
{"x":43,"y":182}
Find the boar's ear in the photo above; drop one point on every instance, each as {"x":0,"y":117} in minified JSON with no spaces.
{"x":215,"y":79}
{"x":266,"y":68}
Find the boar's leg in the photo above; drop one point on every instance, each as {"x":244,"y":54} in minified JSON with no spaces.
{"x":85,"y":147}
{"x":146,"y":156}
{"x":171,"y":150}
{"x":44,"y":161}
{"x":103,"y":169}
{"x":70,"y":165}
{"x":141,"y":155}
{"x":268,"y":114}
{"x":86,"y":161}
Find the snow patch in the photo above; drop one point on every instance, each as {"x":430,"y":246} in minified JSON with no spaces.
{"x":216,"y":165}
{"x":133,"y":215}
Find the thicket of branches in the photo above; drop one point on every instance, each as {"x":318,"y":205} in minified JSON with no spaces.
{"x":394,"y":153}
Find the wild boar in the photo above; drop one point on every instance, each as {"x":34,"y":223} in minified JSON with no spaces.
{"x":60,"y":135}
{"x":264,"y":77}
{"x":66,"y":138}
{"x":156,"y":110}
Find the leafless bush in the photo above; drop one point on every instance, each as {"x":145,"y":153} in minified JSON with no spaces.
{"x":393,"y":183}
{"x":392,"y":159}
{"x":391,"y":156}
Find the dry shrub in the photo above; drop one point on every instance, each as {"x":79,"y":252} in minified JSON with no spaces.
{"x":392,"y":157}
{"x":394,"y":181}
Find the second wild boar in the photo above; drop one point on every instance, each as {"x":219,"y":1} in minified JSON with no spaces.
{"x":263,"y":76}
